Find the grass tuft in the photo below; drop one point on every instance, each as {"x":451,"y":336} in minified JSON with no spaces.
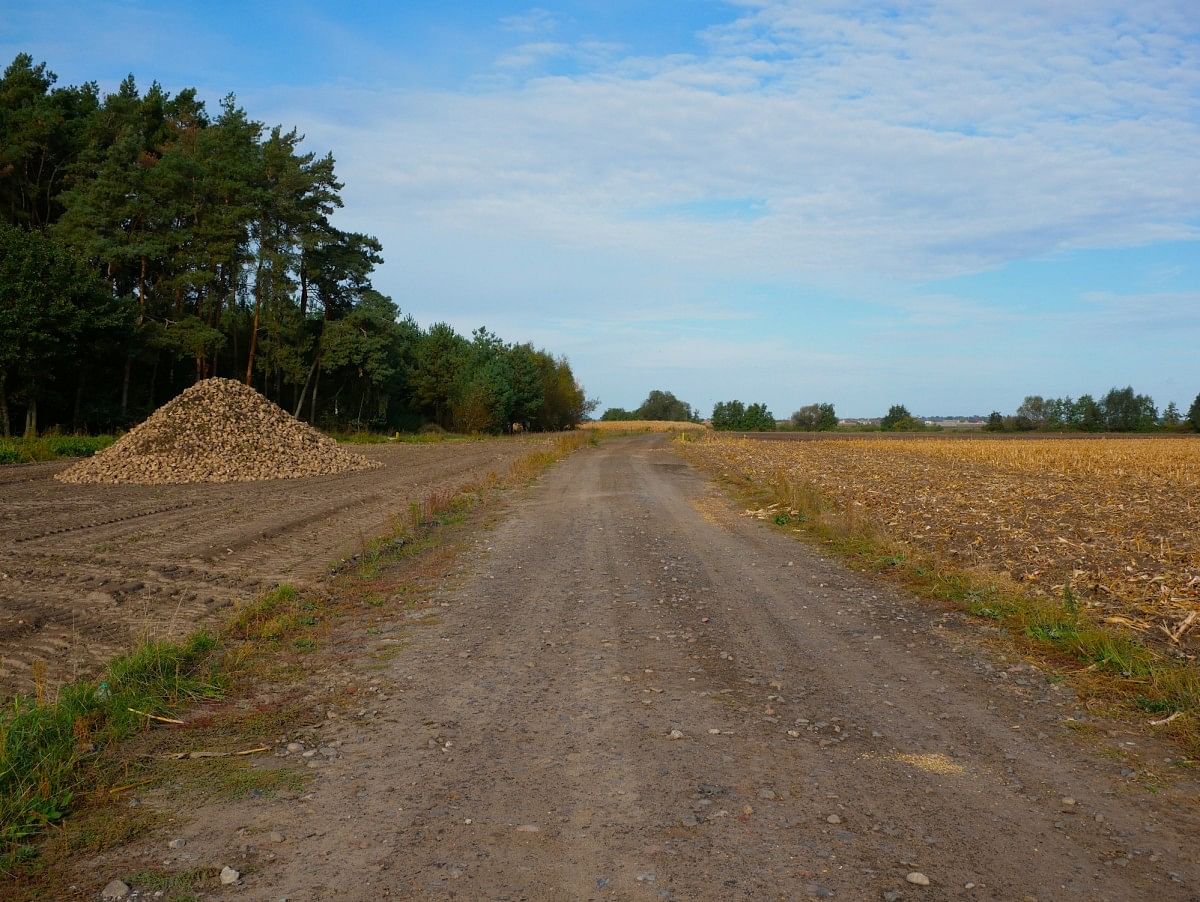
{"x":45,"y":745}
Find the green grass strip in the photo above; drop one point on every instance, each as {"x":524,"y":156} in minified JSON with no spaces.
{"x":51,"y":447}
{"x":45,"y":747}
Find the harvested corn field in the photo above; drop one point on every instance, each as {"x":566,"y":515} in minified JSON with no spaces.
{"x":627,"y":426}
{"x":1113,"y":520}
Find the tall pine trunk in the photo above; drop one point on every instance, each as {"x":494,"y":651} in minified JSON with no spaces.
{"x":31,"y":417}
{"x":125,"y":384}
{"x":312,"y":410}
{"x":312,"y":371}
{"x":303,"y":286}
{"x":77,"y":414}
{"x":125,"y":377}
{"x":254,"y":332}
{"x":5,"y":425}
{"x":154,"y":381}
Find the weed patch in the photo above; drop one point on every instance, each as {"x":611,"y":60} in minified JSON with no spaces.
{"x":177,"y":886}
{"x":51,"y":447}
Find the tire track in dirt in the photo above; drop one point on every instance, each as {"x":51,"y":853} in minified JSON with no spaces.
{"x":87,"y":571}
{"x":834,"y":735}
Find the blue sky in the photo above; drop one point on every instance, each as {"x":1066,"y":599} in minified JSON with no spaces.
{"x":949,"y":205}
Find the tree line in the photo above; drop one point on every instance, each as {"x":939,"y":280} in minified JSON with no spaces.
{"x":146,"y":243}
{"x":1120,"y":410}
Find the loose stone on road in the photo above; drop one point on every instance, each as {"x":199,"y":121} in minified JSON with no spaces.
{"x":664,"y":700}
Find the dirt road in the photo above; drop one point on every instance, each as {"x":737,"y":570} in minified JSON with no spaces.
{"x":634,"y":693}
{"x":86,"y":571}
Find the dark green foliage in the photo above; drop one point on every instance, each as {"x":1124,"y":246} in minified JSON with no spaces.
{"x":1125,"y":411}
{"x":619,"y":414}
{"x":1193,"y":416}
{"x":662,"y":405}
{"x":42,"y":130}
{"x":54,"y":315}
{"x":898,"y":419}
{"x":995,"y":422}
{"x":815,"y":418}
{"x":1120,"y":410}
{"x":734,"y":416}
{"x":659,"y":405}
{"x":187,"y":245}
{"x":1087,"y":415}
{"x":727,"y":416}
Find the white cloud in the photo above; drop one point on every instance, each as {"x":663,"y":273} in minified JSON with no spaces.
{"x":886,"y":150}
{"x":941,"y":141}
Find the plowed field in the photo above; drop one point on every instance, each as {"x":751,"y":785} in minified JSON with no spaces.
{"x":86,"y":571}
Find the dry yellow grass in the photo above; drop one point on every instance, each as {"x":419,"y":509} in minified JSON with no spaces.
{"x":1114,"y":520}
{"x":643,"y":426}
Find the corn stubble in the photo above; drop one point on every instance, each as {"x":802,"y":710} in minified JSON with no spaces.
{"x":1112,"y":521}
{"x":616,"y":426}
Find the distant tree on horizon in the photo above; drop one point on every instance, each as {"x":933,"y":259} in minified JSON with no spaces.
{"x":1126,"y":411}
{"x":1193,"y":415}
{"x":898,"y":419}
{"x":663,"y":405}
{"x":618,"y":414}
{"x":815,"y":418}
{"x":734,"y":416}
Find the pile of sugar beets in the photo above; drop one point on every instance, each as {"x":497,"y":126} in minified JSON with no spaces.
{"x":218,"y":430}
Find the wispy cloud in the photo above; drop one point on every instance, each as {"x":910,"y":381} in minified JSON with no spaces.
{"x":938,"y":141}
{"x":533,"y":53}
{"x":533,"y":21}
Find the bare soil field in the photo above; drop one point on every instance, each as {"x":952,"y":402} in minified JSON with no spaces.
{"x":1113,"y":520}
{"x":87,"y":570}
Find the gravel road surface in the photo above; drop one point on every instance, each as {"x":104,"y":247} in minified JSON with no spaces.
{"x":632,"y":692}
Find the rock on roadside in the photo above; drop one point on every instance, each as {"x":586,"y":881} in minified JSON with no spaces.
{"x":115,"y":889}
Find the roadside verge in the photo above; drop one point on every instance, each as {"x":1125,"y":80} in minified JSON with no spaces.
{"x":1111,"y":669}
{"x":72,"y":753}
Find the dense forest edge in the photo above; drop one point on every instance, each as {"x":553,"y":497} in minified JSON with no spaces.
{"x":147,"y":243}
